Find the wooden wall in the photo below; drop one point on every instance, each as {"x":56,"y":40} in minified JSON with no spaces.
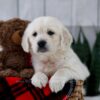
{"x":72,"y":13}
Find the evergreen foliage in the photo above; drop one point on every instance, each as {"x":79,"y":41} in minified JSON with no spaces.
{"x":94,"y":80}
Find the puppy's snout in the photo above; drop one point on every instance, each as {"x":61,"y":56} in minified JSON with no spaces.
{"x":41,"y":44}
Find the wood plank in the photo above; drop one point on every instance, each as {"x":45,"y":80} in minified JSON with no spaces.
{"x":30,"y":9}
{"x":8,"y":9}
{"x":60,"y":9}
{"x":86,"y":12}
{"x":98,"y":12}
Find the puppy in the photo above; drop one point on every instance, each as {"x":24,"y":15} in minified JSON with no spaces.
{"x":49,"y":43}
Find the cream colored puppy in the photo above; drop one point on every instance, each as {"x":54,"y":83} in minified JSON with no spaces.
{"x":49,"y":43}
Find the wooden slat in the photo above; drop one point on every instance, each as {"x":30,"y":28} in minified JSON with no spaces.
{"x":8,"y":9}
{"x":98,"y":9}
{"x":30,"y":9}
{"x":86,"y":12}
{"x":61,"y":9}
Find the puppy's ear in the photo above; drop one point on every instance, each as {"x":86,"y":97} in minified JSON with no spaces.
{"x":66,"y":38}
{"x":25,"y":42}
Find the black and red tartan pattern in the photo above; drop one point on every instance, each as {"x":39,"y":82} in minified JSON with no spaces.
{"x":15,"y":88}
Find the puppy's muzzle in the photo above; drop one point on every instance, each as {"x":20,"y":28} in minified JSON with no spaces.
{"x":42,"y":46}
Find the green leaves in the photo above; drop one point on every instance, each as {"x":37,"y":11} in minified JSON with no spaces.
{"x":91,"y":59}
{"x":94,"y":80}
{"x":82,"y":48}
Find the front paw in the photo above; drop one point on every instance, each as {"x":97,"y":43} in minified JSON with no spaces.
{"x":56,"y":84}
{"x":39,"y":80}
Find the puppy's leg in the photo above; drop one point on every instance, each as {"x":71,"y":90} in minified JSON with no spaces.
{"x":59,"y":79}
{"x":39,"y":79}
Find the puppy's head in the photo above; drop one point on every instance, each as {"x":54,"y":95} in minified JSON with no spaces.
{"x":46,"y":35}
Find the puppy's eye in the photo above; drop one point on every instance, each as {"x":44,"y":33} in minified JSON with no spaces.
{"x":35,"y":34}
{"x":51,"y":33}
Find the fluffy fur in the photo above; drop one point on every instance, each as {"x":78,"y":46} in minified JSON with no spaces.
{"x":59,"y":60}
{"x":11,"y":53}
{"x":13,"y":60}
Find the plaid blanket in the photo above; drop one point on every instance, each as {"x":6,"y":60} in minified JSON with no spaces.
{"x":15,"y":88}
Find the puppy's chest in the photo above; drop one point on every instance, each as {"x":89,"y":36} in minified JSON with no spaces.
{"x":49,"y":64}
{"x":50,"y":67}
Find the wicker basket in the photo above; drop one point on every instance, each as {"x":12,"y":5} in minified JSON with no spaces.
{"x":77,"y":93}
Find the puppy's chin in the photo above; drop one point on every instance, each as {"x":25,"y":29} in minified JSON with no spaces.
{"x":42,"y":50}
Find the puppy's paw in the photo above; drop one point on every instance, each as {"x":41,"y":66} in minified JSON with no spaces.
{"x":39,"y":80}
{"x":56,"y":84}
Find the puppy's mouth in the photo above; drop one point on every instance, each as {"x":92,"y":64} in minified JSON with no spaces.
{"x":42,"y":50}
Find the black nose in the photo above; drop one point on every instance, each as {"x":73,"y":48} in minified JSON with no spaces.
{"x":42,"y":43}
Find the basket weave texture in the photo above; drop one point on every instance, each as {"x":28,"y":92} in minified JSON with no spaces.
{"x":77,"y":93}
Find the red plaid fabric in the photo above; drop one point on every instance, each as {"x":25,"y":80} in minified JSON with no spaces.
{"x":15,"y":88}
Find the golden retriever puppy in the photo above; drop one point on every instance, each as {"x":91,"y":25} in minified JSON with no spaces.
{"x":49,"y":43}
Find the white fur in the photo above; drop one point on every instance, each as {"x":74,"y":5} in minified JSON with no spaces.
{"x":39,"y":80}
{"x":60,"y":61}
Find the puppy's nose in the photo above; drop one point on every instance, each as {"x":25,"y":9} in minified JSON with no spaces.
{"x":41,"y":43}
